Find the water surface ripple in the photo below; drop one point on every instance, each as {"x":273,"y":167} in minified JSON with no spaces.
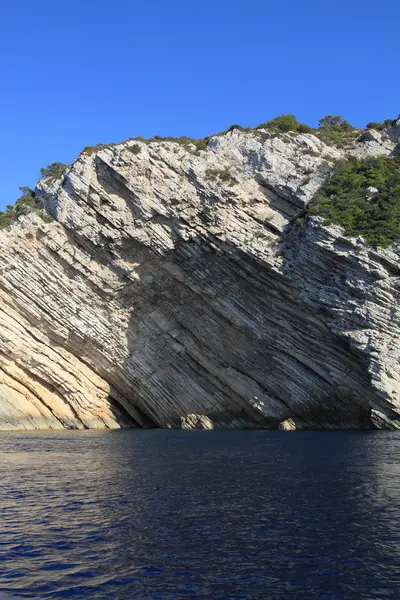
{"x":223,"y":515}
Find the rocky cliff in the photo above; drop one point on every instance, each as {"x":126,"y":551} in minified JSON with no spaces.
{"x":176,"y":281}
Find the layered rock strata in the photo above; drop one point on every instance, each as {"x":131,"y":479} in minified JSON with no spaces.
{"x":176,"y":282}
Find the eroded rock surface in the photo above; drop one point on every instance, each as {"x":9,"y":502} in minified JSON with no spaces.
{"x":177,"y":282}
{"x":196,"y":422}
{"x":287,"y":425}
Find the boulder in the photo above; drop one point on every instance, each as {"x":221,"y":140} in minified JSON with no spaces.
{"x":196,"y":422}
{"x":287,"y":425}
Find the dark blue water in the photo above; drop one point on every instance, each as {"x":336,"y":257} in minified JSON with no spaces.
{"x":190,"y":514}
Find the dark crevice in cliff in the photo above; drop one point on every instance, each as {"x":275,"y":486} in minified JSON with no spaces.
{"x":292,"y":203}
{"x":125,"y":416}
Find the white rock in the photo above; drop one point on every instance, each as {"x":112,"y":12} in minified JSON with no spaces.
{"x":176,"y":282}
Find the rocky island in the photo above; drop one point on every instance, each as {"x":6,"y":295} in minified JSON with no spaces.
{"x":204,"y":283}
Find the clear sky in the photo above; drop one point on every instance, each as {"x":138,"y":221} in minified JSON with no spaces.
{"x":79,"y":72}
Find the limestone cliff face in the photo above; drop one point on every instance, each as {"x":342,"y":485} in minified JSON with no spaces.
{"x":177,"y":282}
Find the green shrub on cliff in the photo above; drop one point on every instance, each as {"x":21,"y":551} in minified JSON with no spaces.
{"x":93,"y":149}
{"x":335,"y":131}
{"x":223,"y":175}
{"x":304,"y":128}
{"x":5,"y":217}
{"x":135,"y":149}
{"x":375,"y":125}
{"x":284,"y":124}
{"x":239,"y":127}
{"x":25,"y":203}
{"x":385,"y":125}
{"x":281,"y":124}
{"x":363,"y":197}
{"x":53,"y":171}
{"x":45,"y":216}
{"x":183,"y":141}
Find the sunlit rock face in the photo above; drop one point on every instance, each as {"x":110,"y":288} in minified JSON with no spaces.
{"x":179,"y":282}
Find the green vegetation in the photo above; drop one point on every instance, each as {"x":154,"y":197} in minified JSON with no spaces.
{"x":284,"y":124}
{"x":45,"y":216}
{"x":304,"y":128}
{"x":332,"y":129}
{"x":335,"y":131}
{"x":385,"y":125}
{"x":224,"y":175}
{"x":200,"y":145}
{"x":281,"y":124}
{"x":139,"y":138}
{"x":184,"y":141}
{"x":53,"y":171}
{"x":93,"y":149}
{"x":25,"y":203}
{"x":350,"y":200}
{"x":301,"y":221}
{"x":233,"y":127}
{"x":375,"y":125}
{"x":135,"y":149}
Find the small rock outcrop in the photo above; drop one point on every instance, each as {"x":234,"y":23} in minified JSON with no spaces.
{"x":178,"y":281}
{"x":287,"y":425}
{"x":196,"y":422}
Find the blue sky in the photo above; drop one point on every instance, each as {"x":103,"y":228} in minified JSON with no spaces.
{"x":75,"y":73}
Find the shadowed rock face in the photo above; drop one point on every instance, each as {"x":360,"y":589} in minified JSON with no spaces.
{"x":176,"y":282}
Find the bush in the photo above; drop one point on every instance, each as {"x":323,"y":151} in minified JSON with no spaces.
{"x":281,"y":124}
{"x":5,"y":218}
{"x":375,"y":125}
{"x":93,"y":149}
{"x":284,"y":124}
{"x":221,"y":174}
{"x":55,"y":170}
{"x":200,"y":145}
{"x":24,"y":204}
{"x":347,"y":200}
{"x":385,"y":125}
{"x":335,"y":123}
{"x":391,"y":122}
{"x":135,"y":149}
{"x":304,"y":128}
{"x":183,"y":141}
{"x":335,"y":131}
{"x":45,"y":216}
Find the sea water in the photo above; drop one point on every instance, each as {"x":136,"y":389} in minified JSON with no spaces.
{"x":222,"y":515}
